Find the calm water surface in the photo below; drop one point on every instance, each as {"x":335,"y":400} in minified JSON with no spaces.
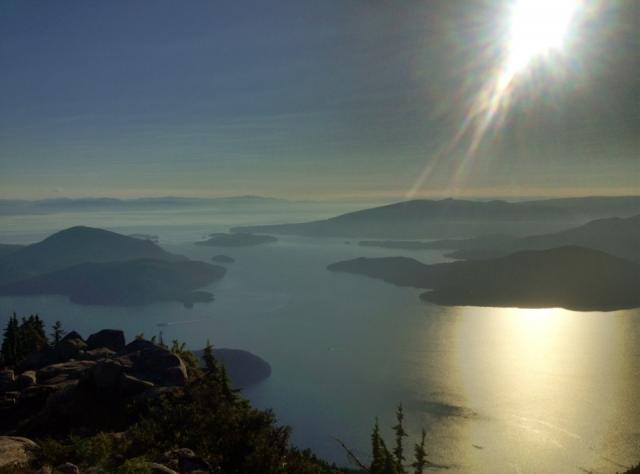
{"x":498,"y":390}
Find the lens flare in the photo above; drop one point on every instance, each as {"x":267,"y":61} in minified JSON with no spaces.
{"x":537,"y":29}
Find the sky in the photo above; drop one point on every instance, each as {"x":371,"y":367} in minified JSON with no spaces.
{"x":332,"y":99}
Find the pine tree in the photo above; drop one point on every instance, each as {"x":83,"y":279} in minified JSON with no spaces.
{"x":57,"y":333}
{"x":11,"y":343}
{"x":420,"y":456}
{"x":377,"y":454}
{"x":210,"y":363}
{"x":398,"y":451}
{"x":225,"y":384}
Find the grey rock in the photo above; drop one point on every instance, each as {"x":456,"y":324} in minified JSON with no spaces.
{"x":70,"y":348}
{"x":148,"y":361}
{"x":160,"y":469}
{"x":185,"y":461}
{"x":66,"y":468}
{"x":97,"y":354}
{"x":71,"y":335}
{"x":26,"y":379}
{"x":110,"y":338}
{"x":16,"y":451}
{"x":44,"y":470}
{"x":57,"y":373}
{"x":130,"y":385}
{"x":106,"y":374}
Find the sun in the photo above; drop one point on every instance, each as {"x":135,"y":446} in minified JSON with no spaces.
{"x":537,"y":27}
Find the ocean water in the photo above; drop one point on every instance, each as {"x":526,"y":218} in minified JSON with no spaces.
{"x":496,"y":389}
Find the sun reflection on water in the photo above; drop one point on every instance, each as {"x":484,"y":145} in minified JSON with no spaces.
{"x":547,"y":384}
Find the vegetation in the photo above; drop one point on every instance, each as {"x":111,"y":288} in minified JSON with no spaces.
{"x":21,"y":338}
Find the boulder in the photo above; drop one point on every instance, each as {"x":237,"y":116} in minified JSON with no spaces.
{"x":70,"y":348}
{"x":160,"y":469}
{"x":66,"y":468}
{"x":110,"y":338}
{"x":97,"y":354}
{"x":185,"y":461}
{"x":58,"y":373}
{"x":148,"y":361}
{"x":106,"y":374}
{"x":71,"y":335}
{"x":7,"y":379}
{"x":44,"y":470}
{"x":130,"y":386}
{"x":16,"y":451}
{"x":26,"y":379}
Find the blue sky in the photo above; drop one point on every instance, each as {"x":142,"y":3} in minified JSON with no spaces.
{"x":322,"y":99}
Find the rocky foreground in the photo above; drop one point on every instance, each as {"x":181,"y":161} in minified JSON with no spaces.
{"x":82,"y":383}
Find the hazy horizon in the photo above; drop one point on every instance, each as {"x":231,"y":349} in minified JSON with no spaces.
{"x":323,"y":100}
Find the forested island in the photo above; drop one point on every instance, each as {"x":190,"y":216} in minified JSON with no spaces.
{"x":98,"y":267}
{"x":574,"y":278}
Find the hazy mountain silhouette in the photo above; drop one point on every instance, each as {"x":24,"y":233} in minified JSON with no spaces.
{"x":6,"y":249}
{"x":570,"y":277}
{"x":46,"y":206}
{"x":124,"y":283}
{"x":617,"y":236}
{"x":425,"y":218}
{"x":74,"y":246}
{"x":596,"y":207}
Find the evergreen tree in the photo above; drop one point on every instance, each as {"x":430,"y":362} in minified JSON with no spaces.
{"x":420,"y":456}
{"x":210,"y":363}
{"x":398,"y":451}
{"x":11,"y":344}
{"x":32,"y":335}
{"x":57,"y":333}
{"x":377,"y":453}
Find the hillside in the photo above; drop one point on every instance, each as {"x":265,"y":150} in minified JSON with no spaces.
{"x":617,"y":236}
{"x":427,"y":218}
{"x":74,"y":246}
{"x":6,"y":249}
{"x":570,"y":277}
{"x":128,"y":283}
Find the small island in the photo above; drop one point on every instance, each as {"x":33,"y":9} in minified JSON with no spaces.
{"x":240,"y":239}
{"x":243,"y":367}
{"x":222,"y":259}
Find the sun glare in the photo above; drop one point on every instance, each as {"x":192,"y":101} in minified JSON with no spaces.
{"x":537,"y":27}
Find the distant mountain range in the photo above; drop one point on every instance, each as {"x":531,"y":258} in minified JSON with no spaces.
{"x":45,"y":206}
{"x":570,"y":277}
{"x":617,"y":236}
{"x":451,"y":218}
{"x":95,"y":266}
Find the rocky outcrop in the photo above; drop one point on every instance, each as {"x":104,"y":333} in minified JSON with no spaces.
{"x":107,"y":338}
{"x":185,"y":461}
{"x":70,"y":381}
{"x":25,"y":379}
{"x":148,"y":361}
{"x":16,"y":451}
